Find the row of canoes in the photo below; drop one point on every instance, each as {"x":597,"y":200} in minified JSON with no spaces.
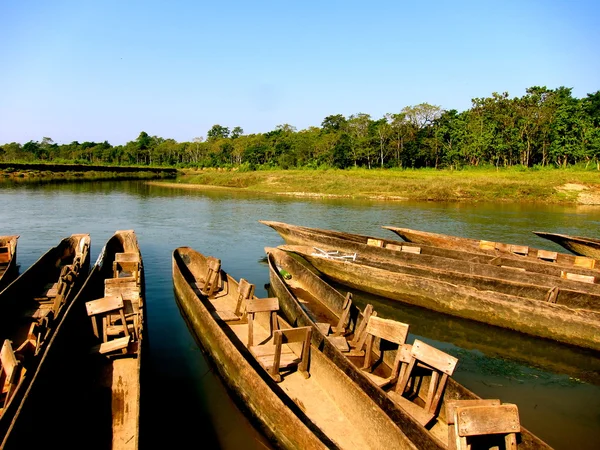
{"x":316,"y":372}
{"x":72,"y":342}
{"x":553,"y":299}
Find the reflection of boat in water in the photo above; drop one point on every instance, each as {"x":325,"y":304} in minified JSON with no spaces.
{"x":529,"y":351}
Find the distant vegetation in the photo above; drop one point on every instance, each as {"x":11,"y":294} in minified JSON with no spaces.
{"x":545,"y":127}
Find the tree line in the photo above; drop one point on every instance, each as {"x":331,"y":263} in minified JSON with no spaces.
{"x":543,"y":127}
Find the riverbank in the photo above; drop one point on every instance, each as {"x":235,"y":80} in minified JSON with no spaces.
{"x":552,"y":186}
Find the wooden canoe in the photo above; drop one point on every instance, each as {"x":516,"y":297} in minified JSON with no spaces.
{"x":325,"y":410}
{"x":8,"y":260}
{"x":582,"y":246}
{"x":553,"y":285}
{"x":300,"y":235}
{"x":307,"y":300}
{"x":489,"y":247}
{"x":574,"y":326}
{"x":84,"y":394}
{"x":32,"y":307}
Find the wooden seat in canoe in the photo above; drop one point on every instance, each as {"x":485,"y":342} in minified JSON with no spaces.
{"x":485,"y":426}
{"x":245,"y":293}
{"x":104,"y":308}
{"x":127,"y":265}
{"x":424,"y":357}
{"x":212,"y":280}
{"x":360,"y":335}
{"x":10,"y":373}
{"x":390,"y":331}
{"x":451,"y":406}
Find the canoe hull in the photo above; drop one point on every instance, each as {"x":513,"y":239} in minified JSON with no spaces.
{"x":577,"y":244}
{"x":8,"y":263}
{"x":333,"y":300}
{"x":73,"y":386}
{"x":543,"y":319}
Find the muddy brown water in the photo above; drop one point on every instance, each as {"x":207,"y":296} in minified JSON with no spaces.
{"x":557,"y":388}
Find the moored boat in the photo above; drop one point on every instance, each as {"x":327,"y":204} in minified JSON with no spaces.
{"x":490,"y":247}
{"x":570,"y":325}
{"x":32,"y":307}
{"x":307,"y":300}
{"x":580,"y":245}
{"x":544,"y":264}
{"x":8,"y":259}
{"x":89,"y":378}
{"x":296,"y":395}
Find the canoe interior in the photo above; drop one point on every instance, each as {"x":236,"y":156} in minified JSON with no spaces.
{"x":86,"y":399}
{"x":336,"y":412}
{"x":319,"y":303}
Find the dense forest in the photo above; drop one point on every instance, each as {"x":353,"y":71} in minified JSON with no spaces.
{"x":543,"y":127}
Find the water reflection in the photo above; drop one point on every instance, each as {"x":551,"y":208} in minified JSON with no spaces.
{"x":556,"y":388}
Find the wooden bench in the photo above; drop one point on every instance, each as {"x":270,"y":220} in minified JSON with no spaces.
{"x":440,"y":364}
{"x":10,"y":373}
{"x":386,"y":330}
{"x":245,"y":293}
{"x":104,"y":308}
{"x":485,"y":422}
{"x":4,"y":255}
{"x":212,"y":279}
{"x":127,"y":265}
{"x":360,"y":336}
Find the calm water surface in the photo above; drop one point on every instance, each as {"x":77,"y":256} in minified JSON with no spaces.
{"x":556,"y":388}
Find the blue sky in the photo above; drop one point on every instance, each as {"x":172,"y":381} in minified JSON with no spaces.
{"x":107,"y":70}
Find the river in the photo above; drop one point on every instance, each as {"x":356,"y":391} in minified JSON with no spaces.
{"x":556,"y":388}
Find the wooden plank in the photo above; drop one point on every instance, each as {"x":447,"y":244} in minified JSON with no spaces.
{"x":8,"y":358}
{"x":547,"y":255}
{"x":340,"y":343}
{"x":434,"y":357}
{"x":577,"y":277}
{"x":4,"y":258}
{"x":390,"y":330}
{"x":481,"y":420}
{"x":375,"y":242}
{"x":487,"y":245}
{"x":294,"y":334}
{"x":111,"y":346}
{"x":519,"y":250}
{"x":103,"y":305}
{"x":584,"y":261}
{"x":520,"y":269}
{"x":127,"y":257}
{"x":262,"y":304}
{"x":394,"y":247}
{"x":451,"y":406}
{"x":409,"y":249}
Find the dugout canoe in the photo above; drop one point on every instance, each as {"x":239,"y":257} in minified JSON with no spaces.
{"x":569,"y":325}
{"x":325,"y":410}
{"x":90,"y":386}
{"x":558,"y":286}
{"x":32,"y":307}
{"x":8,"y":260}
{"x":491,"y":248}
{"x":307,"y":300}
{"x":300,"y":235}
{"x":580,"y":245}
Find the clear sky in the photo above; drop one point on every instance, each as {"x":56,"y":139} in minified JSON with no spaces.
{"x":108,"y":69}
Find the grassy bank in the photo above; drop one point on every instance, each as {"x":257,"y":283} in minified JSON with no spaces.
{"x":560,"y":186}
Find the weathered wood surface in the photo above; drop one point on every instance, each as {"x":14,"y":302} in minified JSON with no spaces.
{"x":480,"y":246}
{"x":31,"y":310}
{"x":349,"y":242}
{"x":326,"y":410}
{"x":579,"y":327}
{"x":8,"y":260}
{"x":307,"y":300}
{"x":580,"y":245}
{"x":97,"y":396}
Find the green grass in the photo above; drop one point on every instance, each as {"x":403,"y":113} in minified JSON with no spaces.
{"x":483,"y":184}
